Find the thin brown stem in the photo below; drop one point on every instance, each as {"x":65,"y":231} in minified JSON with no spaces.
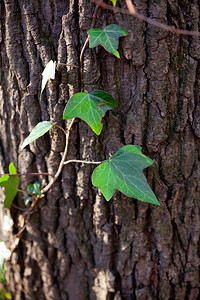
{"x":67,"y":65}
{"x":27,"y":174}
{"x":132,"y":11}
{"x":61,"y":129}
{"x":20,"y":231}
{"x":87,"y":43}
{"x":19,"y":208}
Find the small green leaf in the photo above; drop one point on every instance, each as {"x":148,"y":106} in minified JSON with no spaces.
{"x":10,"y":183}
{"x":35,"y":189}
{"x":90,"y":108}
{"x":48,"y":73}
{"x":39,"y":130}
{"x":114,"y":2}
{"x":108,"y":37}
{"x":123,"y":172}
{"x":8,"y":295}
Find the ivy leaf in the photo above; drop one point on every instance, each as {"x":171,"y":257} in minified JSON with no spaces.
{"x":35,"y":189}
{"x":48,"y":73}
{"x":10,"y":183}
{"x":123,"y":172}
{"x":39,"y":130}
{"x":108,"y":38}
{"x":114,"y":2}
{"x":90,"y":108}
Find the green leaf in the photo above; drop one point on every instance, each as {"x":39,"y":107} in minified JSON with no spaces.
{"x":108,"y":38}
{"x":123,"y":172}
{"x":35,"y":189}
{"x":39,"y":130}
{"x":114,"y":2}
{"x":8,"y":295}
{"x":10,"y":183}
{"x":48,"y":73}
{"x":90,"y":108}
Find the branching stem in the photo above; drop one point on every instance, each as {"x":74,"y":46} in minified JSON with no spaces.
{"x":65,"y":132}
{"x":132,"y":11}
{"x":86,"y":44}
{"x":53,"y":180}
{"x":27,"y":174}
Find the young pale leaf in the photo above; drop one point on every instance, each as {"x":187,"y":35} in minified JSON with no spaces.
{"x":35,"y":189}
{"x":114,"y":2}
{"x":123,"y":172}
{"x":39,"y":130}
{"x":48,"y":73}
{"x":90,"y":108}
{"x":108,"y":38}
{"x":10,"y":183}
{"x":7,"y":295}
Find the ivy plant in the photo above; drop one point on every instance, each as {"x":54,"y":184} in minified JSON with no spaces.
{"x":124,"y":170}
{"x":108,"y":38}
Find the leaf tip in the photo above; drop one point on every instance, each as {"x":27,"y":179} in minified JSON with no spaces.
{"x":117,"y":54}
{"x":22,"y":147}
{"x":125,"y":32}
{"x":157,"y":202}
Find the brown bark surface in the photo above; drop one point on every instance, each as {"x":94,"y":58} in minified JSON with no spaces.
{"x":76,"y":245}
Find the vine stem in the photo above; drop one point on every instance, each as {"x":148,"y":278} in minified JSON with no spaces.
{"x":87,"y":42}
{"x":67,"y":65}
{"x":19,"y":208}
{"x":61,"y":129}
{"x":53,"y":180}
{"x":27,"y":214}
{"x":27,"y":174}
{"x":82,"y":161}
{"x":81,"y":62}
{"x":132,"y":11}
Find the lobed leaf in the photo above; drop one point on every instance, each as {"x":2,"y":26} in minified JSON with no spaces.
{"x":123,"y":172}
{"x":91,"y":108}
{"x":39,"y":130}
{"x":48,"y":73}
{"x":35,"y":189}
{"x":10,"y":183}
{"x":108,"y":38}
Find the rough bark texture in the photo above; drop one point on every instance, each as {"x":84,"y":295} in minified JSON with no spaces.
{"x":77,"y":245}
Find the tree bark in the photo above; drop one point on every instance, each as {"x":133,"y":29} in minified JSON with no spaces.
{"x":76,"y":245}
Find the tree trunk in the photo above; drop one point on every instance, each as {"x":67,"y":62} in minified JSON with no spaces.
{"x":76,"y":245}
